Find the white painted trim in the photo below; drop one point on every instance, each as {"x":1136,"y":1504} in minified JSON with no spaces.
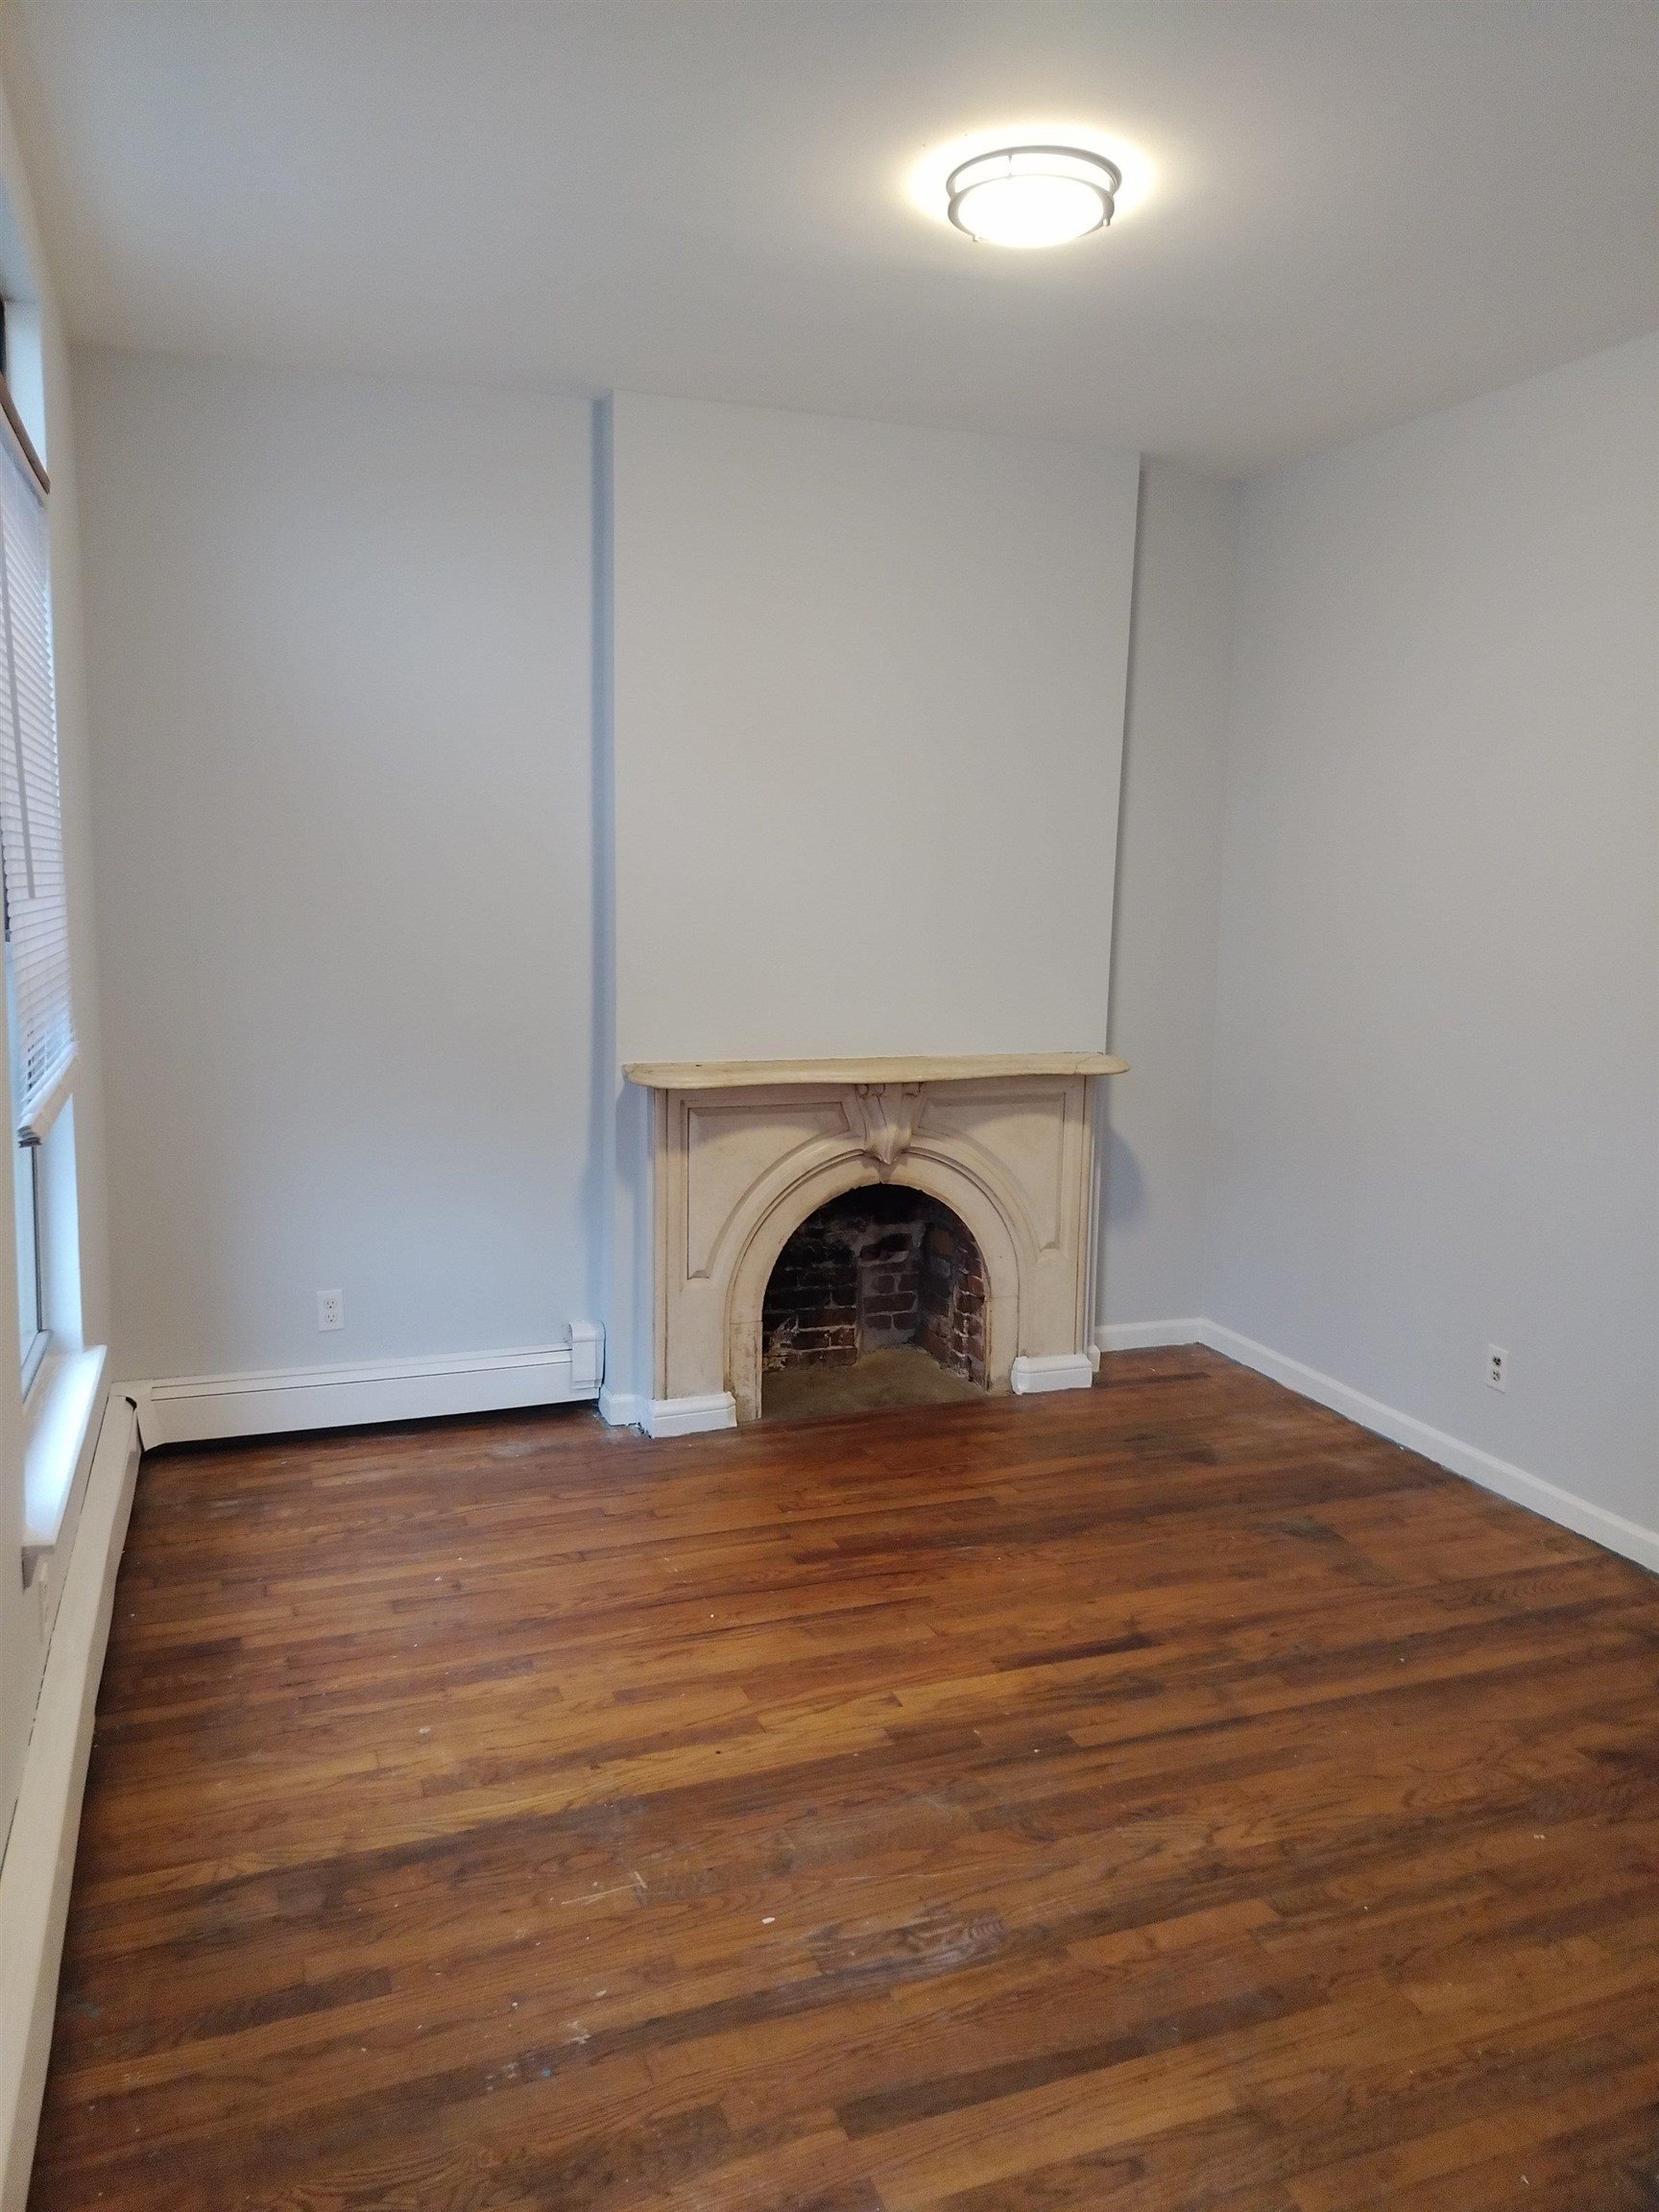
{"x":1050,"y":1371}
{"x":587,"y":1356}
{"x":690,"y":1416}
{"x":624,"y":1408}
{"x":190,"y":1408}
{"x":1144,"y":1335}
{"x":40,"y":1851}
{"x":61,"y":1428}
{"x":1562,"y":1506}
{"x":50,"y":1103}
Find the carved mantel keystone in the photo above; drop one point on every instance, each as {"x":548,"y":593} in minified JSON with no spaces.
{"x":888,"y":1111}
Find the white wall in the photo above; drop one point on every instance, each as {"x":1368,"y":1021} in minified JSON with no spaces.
{"x":1436,"y":1062}
{"x":1164,"y":939}
{"x":868,"y":716}
{"x":340,"y":675}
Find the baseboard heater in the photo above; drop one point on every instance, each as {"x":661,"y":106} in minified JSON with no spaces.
{"x":200,"y":1408}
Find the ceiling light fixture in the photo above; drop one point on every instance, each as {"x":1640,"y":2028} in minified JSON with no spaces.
{"x":1033,"y":195}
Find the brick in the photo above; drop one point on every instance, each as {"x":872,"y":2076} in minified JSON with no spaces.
{"x":880,"y":1266}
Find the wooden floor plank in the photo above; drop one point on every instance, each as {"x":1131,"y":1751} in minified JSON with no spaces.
{"x":1157,"y":1798}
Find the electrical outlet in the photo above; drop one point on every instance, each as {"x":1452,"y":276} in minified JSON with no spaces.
{"x":1497,"y":1367}
{"x":331,"y":1309}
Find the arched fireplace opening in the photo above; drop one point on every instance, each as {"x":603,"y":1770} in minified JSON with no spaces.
{"x":877,"y":1299}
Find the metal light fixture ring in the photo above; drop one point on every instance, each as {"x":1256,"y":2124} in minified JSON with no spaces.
{"x":1005,"y":168}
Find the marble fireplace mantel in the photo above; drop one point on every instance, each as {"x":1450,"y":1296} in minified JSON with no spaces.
{"x":918,"y":1067}
{"x":742,"y":1151}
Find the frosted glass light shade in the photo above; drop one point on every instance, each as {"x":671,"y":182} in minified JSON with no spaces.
{"x":1027,"y":195}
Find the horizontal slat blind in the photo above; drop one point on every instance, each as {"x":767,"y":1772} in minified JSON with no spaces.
{"x":31,"y":814}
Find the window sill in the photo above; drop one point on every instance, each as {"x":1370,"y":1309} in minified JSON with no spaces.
{"x":57,"y":1425}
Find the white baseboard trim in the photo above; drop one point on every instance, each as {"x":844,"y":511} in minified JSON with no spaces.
{"x":40,"y":1851}
{"x":1562,"y":1506}
{"x":195,"y":1409}
{"x":1050,"y":1371}
{"x":1144,"y":1336}
{"x":624,"y":1408}
{"x":692,"y":1416}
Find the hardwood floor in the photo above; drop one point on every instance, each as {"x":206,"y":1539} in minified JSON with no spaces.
{"x":1163,"y":1796}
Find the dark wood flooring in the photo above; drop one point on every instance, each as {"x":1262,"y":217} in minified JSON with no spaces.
{"x":1163,"y":1796}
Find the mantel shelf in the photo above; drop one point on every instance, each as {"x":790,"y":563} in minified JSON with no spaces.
{"x":922,"y":1068}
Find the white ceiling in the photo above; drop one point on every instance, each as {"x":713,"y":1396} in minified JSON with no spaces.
{"x":1356,"y":210}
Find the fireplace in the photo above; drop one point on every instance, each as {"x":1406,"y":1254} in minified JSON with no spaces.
{"x":881,"y":1268}
{"x":742,"y":1153}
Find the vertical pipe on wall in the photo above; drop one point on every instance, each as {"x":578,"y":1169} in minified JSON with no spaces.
{"x":602,"y":1091}
{"x":1095,"y":1305}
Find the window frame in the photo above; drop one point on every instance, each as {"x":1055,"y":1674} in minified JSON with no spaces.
{"x":29,"y":1185}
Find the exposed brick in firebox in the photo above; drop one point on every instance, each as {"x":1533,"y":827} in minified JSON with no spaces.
{"x":876,"y":1266}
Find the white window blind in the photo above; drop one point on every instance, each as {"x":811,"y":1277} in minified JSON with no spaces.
{"x":30,"y":813}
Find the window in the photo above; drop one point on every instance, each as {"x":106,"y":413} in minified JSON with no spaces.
{"x":32,"y":1329}
{"x":38,"y":1020}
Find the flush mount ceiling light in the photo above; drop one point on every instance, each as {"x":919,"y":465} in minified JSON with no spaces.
{"x":1033,"y":195}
